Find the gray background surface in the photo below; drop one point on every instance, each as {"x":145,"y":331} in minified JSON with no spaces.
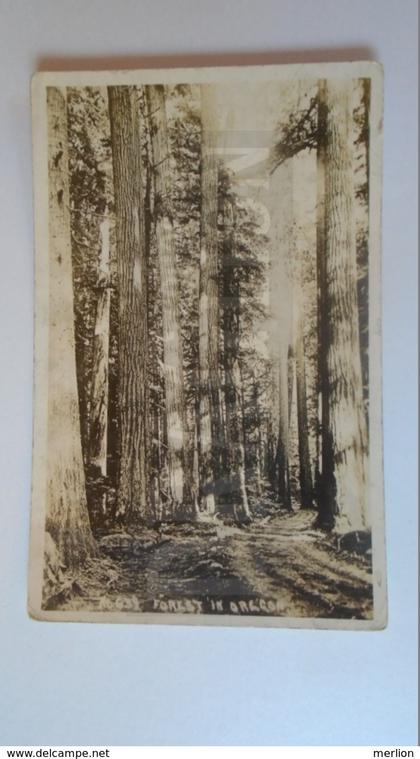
{"x":132,"y":685}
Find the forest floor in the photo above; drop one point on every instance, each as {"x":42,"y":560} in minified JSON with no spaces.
{"x":278,"y":565}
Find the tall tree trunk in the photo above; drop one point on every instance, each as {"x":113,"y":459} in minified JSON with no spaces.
{"x":157,"y":464}
{"x":305,"y":473}
{"x":259,"y":449}
{"x":281,"y":210}
{"x":210,"y":422}
{"x":363,"y":246}
{"x":153,"y":319}
{"x":235,"y":484}
{"x":366,"y":96}
{"x":282,"y":452}
{"x":133,"y":496}
{"x":344,"y":435}
{"x":67,"y":520}
{"x":99,"y":399}
{"x":322,"y":486}
{"x":290,"y":379}
{"x":196,"y":451}
{"x":180,"y":501}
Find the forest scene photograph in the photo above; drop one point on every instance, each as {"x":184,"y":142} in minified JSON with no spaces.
{"x":207,"y":409}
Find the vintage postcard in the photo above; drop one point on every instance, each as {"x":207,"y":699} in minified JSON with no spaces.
{"x":207,"y":431}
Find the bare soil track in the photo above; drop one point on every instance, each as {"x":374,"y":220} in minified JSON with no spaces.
{"x":279,"y":565}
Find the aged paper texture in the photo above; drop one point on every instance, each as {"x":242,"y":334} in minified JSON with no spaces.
{"x":207,"y":432}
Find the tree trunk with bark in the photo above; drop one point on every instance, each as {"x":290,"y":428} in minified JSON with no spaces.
{"x":305,"y":473}
{"x":363,"y":245}
{"x":210,"y":422}
{"x":322,"y":485}
{"x":281,"y":208}
{"x":180,"y":502}
{"x":235,"y":494}
{"x":282,"y":452}
{"x":67,"y":519}
{"x":196,"y":482}
{"x":344,"y":435}
{"x":259,"y":446}
{"x":133,"y":487}
{"x":99,"y":398}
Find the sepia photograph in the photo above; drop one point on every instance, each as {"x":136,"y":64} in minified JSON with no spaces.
{"x":207,"y":430}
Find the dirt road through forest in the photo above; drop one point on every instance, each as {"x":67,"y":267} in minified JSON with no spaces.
{"x":279,"y":565}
